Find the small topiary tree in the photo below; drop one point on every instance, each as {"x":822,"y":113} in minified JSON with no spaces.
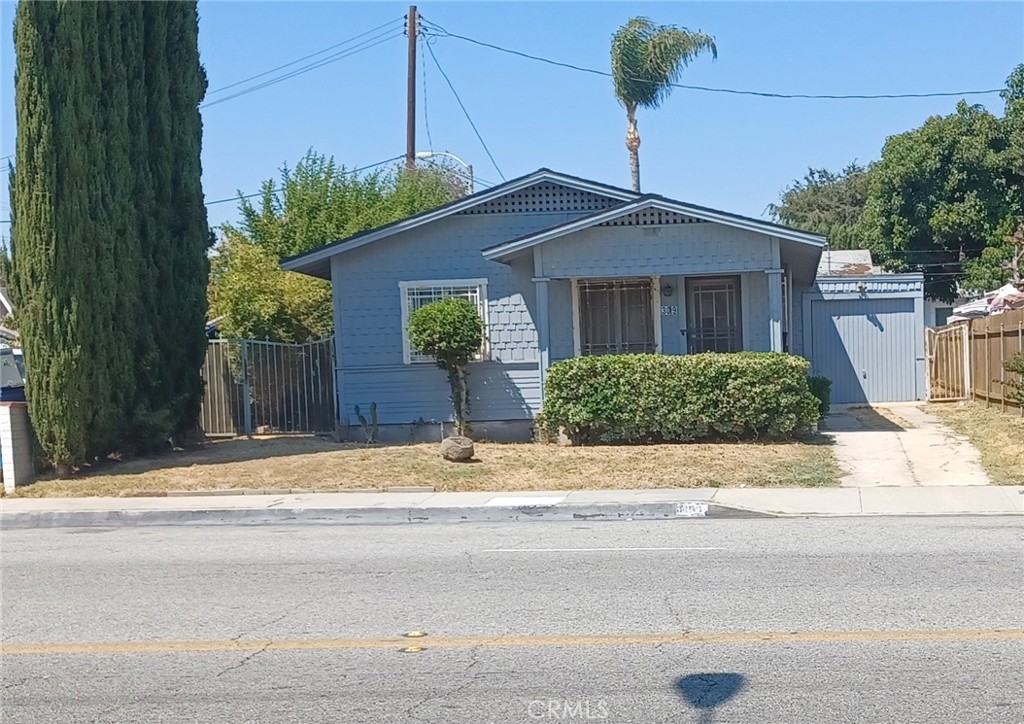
{"x":452,"y":332}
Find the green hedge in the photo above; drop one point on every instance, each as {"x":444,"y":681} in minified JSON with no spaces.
{"x":666,"y":398}
{"x":821,"y":387}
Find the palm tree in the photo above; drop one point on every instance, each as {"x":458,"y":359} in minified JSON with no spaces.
{"x":646,"y":60}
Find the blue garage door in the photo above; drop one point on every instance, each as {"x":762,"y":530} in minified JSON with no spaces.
{"x":867,"y":347}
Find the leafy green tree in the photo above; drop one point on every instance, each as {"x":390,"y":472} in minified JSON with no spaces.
{"x":1013,"y":119}
{"x":827,"y":203}
{"x":646,"y":60}
{"x":312,"y":204}
{"x":940,"y":195}
{"x":451,"y":331}
{"x":256,"y":300}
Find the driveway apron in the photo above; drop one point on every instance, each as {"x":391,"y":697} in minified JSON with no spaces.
{"x":900,"y":444}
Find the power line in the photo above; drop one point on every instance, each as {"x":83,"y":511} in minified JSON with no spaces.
{"x":426,"y":115}
{"x":276,"y":190}
{"x":365,"y":45}
{"x":305,"y":57}
{"x":480,"y":138}
{"x":439,"y":31}
{"x":480,"y":181}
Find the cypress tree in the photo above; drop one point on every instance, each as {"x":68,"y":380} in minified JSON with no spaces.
{"x":44,"y":291}
{"x":176,"y":84}
{"x":109,"y":232}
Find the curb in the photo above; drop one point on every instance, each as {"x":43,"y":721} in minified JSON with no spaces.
{"x":599,"y":512}
{"x":277,"y":491}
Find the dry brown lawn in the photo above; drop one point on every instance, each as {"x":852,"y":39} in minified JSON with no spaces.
{"x":313,"y":463}
{"x":998,"y":435}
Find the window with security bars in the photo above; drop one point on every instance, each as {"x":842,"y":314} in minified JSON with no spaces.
{"x":714,"y":315}
{"x":616,"y":316}
{"x":418,"y":294}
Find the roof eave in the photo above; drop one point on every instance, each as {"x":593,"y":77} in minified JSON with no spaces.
{"x":504,"y":252}
{"x":302,"y":262}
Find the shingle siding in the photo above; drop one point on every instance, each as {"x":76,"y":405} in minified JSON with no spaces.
{"x":681,"y":248}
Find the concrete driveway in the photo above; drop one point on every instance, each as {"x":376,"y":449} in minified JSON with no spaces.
{"x":900,"y":444}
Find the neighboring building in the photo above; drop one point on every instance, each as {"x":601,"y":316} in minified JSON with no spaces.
{"x":6,"y":307}
{"x":560,"y":266}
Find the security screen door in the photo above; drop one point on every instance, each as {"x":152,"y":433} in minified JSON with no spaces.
{"x":714,"y":323}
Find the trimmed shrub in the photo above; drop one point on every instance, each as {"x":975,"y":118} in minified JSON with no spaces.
{"x":821,"y":387}
{"x":451,"y":331}
{"x":664,"y":398}
{"x":1016,"y":364}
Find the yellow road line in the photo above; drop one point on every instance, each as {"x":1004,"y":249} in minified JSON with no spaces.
{"x":459,"y":642}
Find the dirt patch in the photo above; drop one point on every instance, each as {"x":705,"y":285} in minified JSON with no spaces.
{"x":998,"y":435}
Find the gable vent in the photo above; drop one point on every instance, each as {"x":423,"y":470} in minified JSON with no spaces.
{"x":543,"y":198}
{"x":652,"y":217}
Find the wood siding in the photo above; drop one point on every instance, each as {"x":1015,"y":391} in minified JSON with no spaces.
{"x":866,"y":334}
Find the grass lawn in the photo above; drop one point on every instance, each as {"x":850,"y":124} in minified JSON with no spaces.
{"x":998,"y":435}
{"x":313,"y":463}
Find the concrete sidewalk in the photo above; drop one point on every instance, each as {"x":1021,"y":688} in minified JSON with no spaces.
{"x":427,"y":507}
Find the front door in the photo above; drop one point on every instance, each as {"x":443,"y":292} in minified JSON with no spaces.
{"x":714,"y":323}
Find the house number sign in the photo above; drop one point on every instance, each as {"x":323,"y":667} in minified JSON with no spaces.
{"x":669,"y":310}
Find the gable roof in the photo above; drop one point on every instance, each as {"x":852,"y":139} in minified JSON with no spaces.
{"x":503,"y":251}
{"x":310,"y":260}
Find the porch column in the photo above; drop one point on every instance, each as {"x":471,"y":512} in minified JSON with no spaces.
{"x":775,"y":311}
{"x":543,"y":331}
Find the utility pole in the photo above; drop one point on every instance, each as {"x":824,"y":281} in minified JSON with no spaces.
{"x":412,"y":30}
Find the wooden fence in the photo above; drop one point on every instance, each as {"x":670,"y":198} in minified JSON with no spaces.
{"x":993,"y":342}
{"x":966,"y":360}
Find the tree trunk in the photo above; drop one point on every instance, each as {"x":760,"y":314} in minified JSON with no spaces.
{"x":633,"y":144}
{"x":460,"y":398}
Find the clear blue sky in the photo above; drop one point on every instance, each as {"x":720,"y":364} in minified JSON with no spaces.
{"x":730,"y":152}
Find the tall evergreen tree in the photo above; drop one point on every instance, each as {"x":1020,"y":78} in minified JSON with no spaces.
{"x":46,"y":291}
{"x":186,"y":256}
{"x":109,"y":231}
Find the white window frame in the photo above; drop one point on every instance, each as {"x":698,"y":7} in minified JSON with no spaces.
{"x":408,"y":356}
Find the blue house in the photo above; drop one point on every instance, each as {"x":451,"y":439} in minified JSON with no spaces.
{"x":561,"y":266}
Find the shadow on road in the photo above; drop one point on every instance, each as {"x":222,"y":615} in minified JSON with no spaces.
{"x":706,"y":691}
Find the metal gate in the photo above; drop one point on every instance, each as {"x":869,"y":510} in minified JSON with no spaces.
{"x":868,"y":348}
{"x":949,"y":369}
{"x":268,"y":387}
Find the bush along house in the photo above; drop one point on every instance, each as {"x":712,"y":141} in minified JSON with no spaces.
{"x":560,"y":267}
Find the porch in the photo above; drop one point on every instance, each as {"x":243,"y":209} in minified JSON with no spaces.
{"x":657,"y":279}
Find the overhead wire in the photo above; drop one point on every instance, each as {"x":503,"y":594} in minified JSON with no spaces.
{"x":426,"y":115}
{"x":348,"y":52}
{"x":462,"y":105}
{"x":438,"y":31}
{"x":392,"y":22}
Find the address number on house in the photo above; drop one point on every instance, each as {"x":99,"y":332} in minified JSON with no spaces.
{"x":669,"y":310}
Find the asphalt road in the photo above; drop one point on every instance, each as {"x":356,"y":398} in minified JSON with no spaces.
{"x":712,"y":622}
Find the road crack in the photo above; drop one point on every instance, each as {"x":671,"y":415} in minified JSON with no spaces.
{"x":245,"y":660}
